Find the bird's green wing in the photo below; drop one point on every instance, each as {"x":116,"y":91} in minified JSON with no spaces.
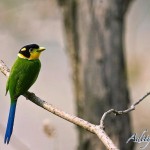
{"x":11,"y":75}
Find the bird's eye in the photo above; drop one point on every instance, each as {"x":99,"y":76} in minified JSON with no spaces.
{"x":30,"y":50}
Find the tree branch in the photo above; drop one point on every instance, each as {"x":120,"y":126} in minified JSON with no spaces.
{"x":121,"y":112}
{"x":73,"y":119}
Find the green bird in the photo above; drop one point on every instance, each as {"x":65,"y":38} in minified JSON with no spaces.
{"x":23,"y":74}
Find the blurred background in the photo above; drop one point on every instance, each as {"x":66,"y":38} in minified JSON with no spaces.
{"x":23,"y":22}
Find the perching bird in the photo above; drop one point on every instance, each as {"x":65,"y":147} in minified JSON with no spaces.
{"x":22,"y":76}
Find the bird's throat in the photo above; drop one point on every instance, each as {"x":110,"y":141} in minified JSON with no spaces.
{"x":34,"y":55}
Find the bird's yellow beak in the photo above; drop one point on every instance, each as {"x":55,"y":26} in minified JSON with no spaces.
{"x":41,"y":49}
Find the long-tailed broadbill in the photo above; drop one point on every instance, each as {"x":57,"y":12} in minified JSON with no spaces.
{"x":23,"y":74}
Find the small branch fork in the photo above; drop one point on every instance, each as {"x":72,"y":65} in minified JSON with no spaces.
{"x":96,"y":129}
{"x":121,"y":112}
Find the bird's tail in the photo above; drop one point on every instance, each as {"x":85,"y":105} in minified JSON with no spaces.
{"x":10,"y":122}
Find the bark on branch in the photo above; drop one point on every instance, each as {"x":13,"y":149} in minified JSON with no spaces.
{"x":71,"y":118}
{"x":96,"y":129}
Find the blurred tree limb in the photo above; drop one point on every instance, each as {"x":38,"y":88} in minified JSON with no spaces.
{"x":94,"y":33}
{"x":96,"y":129}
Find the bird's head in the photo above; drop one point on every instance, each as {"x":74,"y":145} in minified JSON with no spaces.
{"x":30,"y":52}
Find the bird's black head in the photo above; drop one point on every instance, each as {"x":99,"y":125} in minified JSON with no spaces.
{"x":30,"y":52}
{"x":25,"y":51}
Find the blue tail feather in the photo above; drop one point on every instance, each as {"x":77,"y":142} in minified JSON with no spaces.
{"x":10,"y":122}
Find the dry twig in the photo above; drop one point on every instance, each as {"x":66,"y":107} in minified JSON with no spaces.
{"x":121,"y":112}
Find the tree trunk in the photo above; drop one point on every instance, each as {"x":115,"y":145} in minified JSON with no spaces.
{"x":94,"y":36}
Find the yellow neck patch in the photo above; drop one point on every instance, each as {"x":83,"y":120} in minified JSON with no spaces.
{"x":34,"y":55}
